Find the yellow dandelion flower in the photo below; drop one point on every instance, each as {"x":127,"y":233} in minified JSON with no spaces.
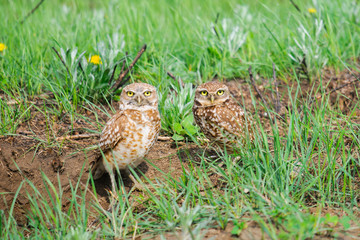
{"x":2,"y":47}
{"x":96,"y":59}
{"x":312,"y":10}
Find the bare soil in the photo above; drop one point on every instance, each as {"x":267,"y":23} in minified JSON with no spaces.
{"x":23,"y":157}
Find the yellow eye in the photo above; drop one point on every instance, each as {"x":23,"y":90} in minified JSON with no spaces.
{"x":220,"y":92}
{"x":147,"y":93}
{"x":130,"y":94}
{"x":204,"y":93}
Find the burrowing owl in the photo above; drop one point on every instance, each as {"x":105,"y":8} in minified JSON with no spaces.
{"x":220,"y":118}
{"x":129,"y":135}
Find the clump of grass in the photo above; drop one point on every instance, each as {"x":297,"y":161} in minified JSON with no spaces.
{"x":176,"y":111}
{"x":12,"y":112}
{"x":77,"y":76}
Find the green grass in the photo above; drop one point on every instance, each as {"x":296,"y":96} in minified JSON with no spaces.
{"x":275,"y":180}
{"x":180,"y":37}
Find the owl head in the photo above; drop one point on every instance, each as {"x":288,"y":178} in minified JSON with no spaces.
{"x":211,"y":94}
{"x":139,"y":95}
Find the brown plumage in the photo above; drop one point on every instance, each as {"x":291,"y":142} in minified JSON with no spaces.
{"x":220,"y":118}
{"x":129,"y":135}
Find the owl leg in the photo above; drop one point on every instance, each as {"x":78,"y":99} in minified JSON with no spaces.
{"x":113,"y":184}
{"x":137,"y":185}
{"x":236,"y":160}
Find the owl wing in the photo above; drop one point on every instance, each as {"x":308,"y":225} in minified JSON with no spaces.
{"x":110,"y":136}
{"x":232,"y":119}
{"x":112,"y":132}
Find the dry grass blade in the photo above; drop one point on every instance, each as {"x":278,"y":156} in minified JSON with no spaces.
{"x":32,"y":11}
{"x":255,"y":87}
{"x":78,"y":136}
{"x":62,"y":60}
{"x":296,"y":6}
{"x":357,"y":78}
{"x":304,"y":68}
{"x":119,"y":81}
{"x":112,"y":75}
{"x":174,"y":78}
{"x":96,"y":135}
{"x":160,"y":138}
{"x":277,"y":103}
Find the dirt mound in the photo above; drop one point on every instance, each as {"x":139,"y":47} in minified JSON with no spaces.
{"x":18,"y":163}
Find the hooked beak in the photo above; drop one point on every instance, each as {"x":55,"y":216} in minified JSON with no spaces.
{"x":139,"y":99}
{"x":212,"y":98}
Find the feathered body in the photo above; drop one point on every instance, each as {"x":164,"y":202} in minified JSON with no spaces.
{"x":129,"y":135}
{"x":220,"y":118}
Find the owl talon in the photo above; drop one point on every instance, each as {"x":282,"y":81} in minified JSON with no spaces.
{"x":236,"y":159}
{"x":137,"y":186}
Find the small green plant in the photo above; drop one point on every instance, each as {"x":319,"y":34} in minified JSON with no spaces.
{"x":345,"y":222}
{"x":176,"y":111}
{"x":80,"y":75}
{"x":238,"y":227}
